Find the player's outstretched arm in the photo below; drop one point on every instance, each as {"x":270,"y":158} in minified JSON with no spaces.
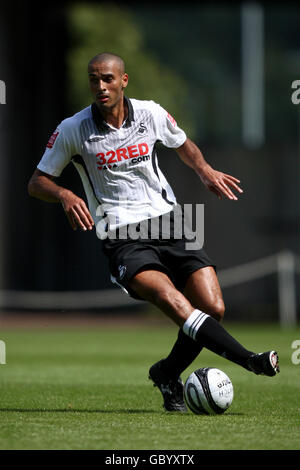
{"x":219,"y":183}
{"x":42,"y":186}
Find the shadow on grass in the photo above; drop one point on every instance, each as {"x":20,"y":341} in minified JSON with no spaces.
{"x":73,"y":410}
{"x":122,"y":411}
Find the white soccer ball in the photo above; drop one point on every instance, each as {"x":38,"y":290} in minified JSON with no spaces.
{"x":208,"y":391}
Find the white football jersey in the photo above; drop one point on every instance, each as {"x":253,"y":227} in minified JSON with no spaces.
{"x":118,"y":167}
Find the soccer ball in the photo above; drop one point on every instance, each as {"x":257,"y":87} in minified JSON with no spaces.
{"x":208,"y":391}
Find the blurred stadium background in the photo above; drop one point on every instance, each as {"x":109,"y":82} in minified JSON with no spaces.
{"x":225,"y":72}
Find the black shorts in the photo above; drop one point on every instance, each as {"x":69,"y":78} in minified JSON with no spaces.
{"x":128,"y":257}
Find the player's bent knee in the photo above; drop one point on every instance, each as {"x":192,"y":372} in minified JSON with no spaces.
{"x":217,"y":311}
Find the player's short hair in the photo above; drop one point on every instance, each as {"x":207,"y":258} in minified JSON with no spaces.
{"x":107,"y":56}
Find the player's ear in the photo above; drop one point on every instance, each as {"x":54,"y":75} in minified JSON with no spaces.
{"x":124,"y":80}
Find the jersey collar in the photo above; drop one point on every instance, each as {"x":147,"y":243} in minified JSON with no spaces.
{"x":99,"y":120}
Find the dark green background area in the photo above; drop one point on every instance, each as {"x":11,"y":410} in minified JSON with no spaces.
{"x":186,"y":57}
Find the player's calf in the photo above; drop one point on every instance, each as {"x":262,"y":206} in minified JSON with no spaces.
{"x":210,"y":334}
{"x":157,"y":288}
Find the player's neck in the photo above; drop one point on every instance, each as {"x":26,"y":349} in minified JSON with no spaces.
{"x":116,"y":115}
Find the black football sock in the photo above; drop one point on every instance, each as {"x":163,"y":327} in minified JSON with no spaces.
{"x":210,"y":334}
{"x":183,"y":353}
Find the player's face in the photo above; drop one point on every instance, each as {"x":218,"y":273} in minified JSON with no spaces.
{"x":107,"y":82}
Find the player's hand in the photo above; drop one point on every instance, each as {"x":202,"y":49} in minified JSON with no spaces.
{"x":76,"y":211}
{"x":220,"y":183}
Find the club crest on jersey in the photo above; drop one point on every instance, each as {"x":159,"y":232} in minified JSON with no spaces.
{"x":52,"y":139}
{"x":122,"y":271}
{"x":95,"y":139}
{"x":142,"y":129}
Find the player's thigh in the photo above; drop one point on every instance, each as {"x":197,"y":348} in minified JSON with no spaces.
{"x":157,"y":288}
{"x":203,"y":291}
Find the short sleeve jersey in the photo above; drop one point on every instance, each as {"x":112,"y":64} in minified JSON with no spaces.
{"x":118,"y":167}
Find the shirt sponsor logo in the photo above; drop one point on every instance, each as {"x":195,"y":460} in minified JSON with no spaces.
{"x":134,"y":153}
{"x":52,"y":140}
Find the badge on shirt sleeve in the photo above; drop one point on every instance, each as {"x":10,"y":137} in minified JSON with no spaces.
{"x":171,"y":119}
{"x":52,"y":139}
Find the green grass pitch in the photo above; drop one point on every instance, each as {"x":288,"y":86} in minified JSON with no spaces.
{"x":87,"y":388}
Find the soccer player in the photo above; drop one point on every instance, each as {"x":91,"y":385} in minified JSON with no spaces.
{"x":112,"y":144}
